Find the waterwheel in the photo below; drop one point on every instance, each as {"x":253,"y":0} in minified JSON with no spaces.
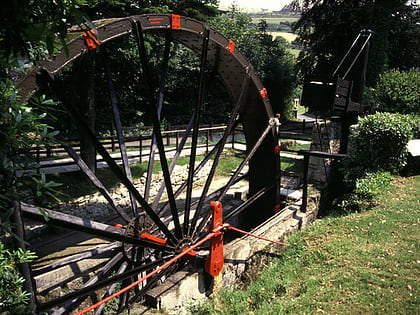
{"x":154,"y":231}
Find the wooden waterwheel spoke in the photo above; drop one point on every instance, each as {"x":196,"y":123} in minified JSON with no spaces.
{"x":111,"y":289}
{"x":88,"y":226}
{"x":151,"y":282}
{"x":197,"y":112}
{"x":247,"y":158}
{"x":163,"y":77}
{"x":156,"y":130}
{"x":172,"y":166}
{"x":202,"y":163}
{"x":243,"y":206}
{"x":94,"y":180}
{"x":98,"y":276}
{"x":118,"y":126}
{"x":113,"y":165}
{"x":230,"y":127}
{"x":244,"y":162}
{"x":103,"y":283}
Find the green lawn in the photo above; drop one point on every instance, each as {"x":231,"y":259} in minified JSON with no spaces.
{"x":366,"y":263}
{"x":276,"y":20}
{"x":290,"y":37}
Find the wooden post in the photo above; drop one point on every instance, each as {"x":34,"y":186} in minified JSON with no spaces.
{"x":112,"y":139}
{"x":211,"y":132}
{"x":306,"y":156}
{"x":38,"y":155}
{"x":233,"y":139}
{"x":207,"y":140}
{"x":24,"y":268}
{"x":140,"y":146}
{"x":303,"y":126}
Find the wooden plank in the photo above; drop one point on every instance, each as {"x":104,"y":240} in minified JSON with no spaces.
{"x":354,"y":107}
{"x":343,"y":83}
{"x":342,"y":91}
{"x":340,"y":102}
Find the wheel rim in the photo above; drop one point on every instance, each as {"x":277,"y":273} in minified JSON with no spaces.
{"x":252,"y":109}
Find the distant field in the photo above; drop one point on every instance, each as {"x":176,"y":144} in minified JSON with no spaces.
{"x":287,"y":36}
{"x":275,"y":20}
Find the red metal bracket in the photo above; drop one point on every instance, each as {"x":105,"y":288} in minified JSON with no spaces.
{"x":215,"y":260}
{"x":263,"y":93}
{"x":91,"y":39}
{"x":152,"y":238}
{"x":175,"y":22}
{"x":231,"y":47}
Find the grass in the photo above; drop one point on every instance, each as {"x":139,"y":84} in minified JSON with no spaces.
{"x":229,"y":162}
{"x":275,"y":20}
{"x":291,"y":165}
{"x":290,"y":37}
{"x":365,"y":263}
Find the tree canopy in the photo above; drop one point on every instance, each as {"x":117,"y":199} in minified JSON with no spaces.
{"x":269,"y":56}
{"x":327,"y":28}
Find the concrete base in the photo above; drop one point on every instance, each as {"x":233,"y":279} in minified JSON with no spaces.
{"x":180,"y":290}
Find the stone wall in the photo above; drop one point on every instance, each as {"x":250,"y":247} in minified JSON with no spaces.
{"x":326,"y":137}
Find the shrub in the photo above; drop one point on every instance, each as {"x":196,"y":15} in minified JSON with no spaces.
{"x":399,"y":91}
{"x":379,"y":143}
{"x":12,"y":296}
{"x":22,"y":128}
{"x":365,"y":190}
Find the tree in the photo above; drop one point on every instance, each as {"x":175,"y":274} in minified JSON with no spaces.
{"x":404,"y":52}
{"x":327,"y":28}
{"x":269,"y":57}
{"x":31,"y":29}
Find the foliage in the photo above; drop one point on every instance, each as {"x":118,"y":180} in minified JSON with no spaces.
{"x":379,"y":143}
{"x":11,"y":293}
{"x":366,"y":189}
{"x":405,"y":39}
{"x":22,"y":130}
{"x":269,"y":57}
{"x":377,"y":148}
{"x":30,"y":28}
{"x":197,"y":9}
{"x":399,"y":91}
{"x":327,"y":29}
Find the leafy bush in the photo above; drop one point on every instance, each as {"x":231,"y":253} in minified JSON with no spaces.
{"x":11,"y":292}
{"x":365,"y":190}
{"x":379,"y":143}
{"x":399,"y":91}
{"x":22,"y":130}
